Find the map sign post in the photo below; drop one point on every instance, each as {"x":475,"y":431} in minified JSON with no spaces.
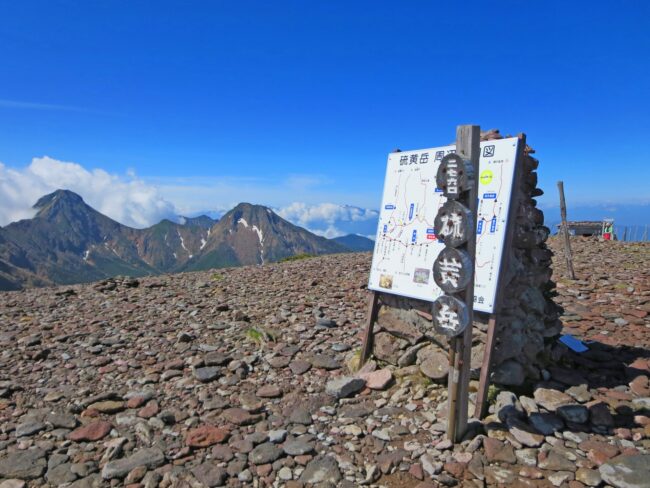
{"x":453,"y":269}
{"x":404,"y":261}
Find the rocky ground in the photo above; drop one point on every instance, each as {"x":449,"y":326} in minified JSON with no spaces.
{"x":239,"y":377}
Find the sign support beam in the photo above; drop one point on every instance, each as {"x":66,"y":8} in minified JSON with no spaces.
{"x":493,"y":322}
{"x":368,"y":335}
{"x":468,"y":140}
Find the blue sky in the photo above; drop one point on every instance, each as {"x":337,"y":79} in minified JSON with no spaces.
{"x":294,"y":101}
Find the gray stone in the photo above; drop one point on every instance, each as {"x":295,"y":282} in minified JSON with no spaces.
{"x":29,"y":427}
{"x":399,"y":328}
{"x":560,"y":477}
{"x":13,"y":483}
{"x":28,"y":464}
{"x":323,"y":361}
{"x":149,"y":457}
{"x":546,"y":423}
{"x":265,"y":453}
{"x":298,"y":447}
{"x":525,"y":434}
{"x":299,"y":366}
{"x":60,"y":474}
{"x":285,"y":473}
{"x":410,"y":355}
{"x":62,"y":420}
{"x":434,"y":363}
{"x":556,"y":461}
{"x":321,"y":469}
{"x":578,"y":414}
{"x":300,"y":415}
{"x":209,"y":474}
{"x":509,"y":373}
{"x":627,"y":471}
{"x":277,"y":436}
{"x":56,"y":459}
{"x":207,"y":374}
{"x":344,"y":386}
{"x":551,"y":399}
{"x":507,"y":406}
{"x":325,"y":323}
{"x":589,"y":477}
{"x":388,"y":348}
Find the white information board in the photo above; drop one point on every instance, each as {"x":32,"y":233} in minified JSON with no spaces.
{"x":406,"y":245}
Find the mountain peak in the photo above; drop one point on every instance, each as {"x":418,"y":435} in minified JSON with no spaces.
{"x":66,"y":196}
{"x":249,"y":211}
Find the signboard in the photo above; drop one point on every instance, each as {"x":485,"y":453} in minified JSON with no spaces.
{"x":406,"y":245}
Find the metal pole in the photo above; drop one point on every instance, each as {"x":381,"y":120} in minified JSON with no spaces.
{"x":565,"y":231}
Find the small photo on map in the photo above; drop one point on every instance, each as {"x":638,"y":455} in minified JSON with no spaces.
{"x":421,"y":275}
{"x":386,"y":281}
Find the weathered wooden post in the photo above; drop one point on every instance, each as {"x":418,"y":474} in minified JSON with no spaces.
{"x":453,"y":271}
{"x":565,"y":232}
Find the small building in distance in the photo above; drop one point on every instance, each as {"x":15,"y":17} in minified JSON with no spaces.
{"x":591,"y":228}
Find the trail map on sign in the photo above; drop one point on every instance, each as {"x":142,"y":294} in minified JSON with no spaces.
{"x":406,"y":245}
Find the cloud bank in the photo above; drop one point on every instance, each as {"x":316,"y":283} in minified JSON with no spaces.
{"x":331,"y":219}
{"x":138,"y":203}
{"x":127,"y":199}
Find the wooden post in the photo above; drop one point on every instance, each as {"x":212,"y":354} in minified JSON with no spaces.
{"x":625,"y":234}
{"x":371,"y":317}
{"x":486,"y":367}
{"x":368,"y":335}
{"x":565,"y":231}
{"x":468,"y":146}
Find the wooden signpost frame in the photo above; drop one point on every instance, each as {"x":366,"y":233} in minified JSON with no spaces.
{"x":493,"y":318}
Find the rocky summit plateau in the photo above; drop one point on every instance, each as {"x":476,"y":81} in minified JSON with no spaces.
{"x":245,"y":377}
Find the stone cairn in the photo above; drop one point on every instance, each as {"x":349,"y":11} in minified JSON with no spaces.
{"x":528,"y":323}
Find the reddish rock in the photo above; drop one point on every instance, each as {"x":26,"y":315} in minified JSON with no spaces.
{"x":497,"y":451}
{"x":378,"y":380}
{"x":640,"y":364}
{"x":639,"y":386}
{"x":150,"y":410}
{"x":136,"y":402}
{"x":598,"y":452}
{"x":239,"y":416}
{"x":91,"y":432}
{"x":264,"y":469}
{"x":303,"y":459}
{"x":269,"y":391}
{"x":416,"y":471}
{"x":205,"y":436}
{"x":455,"y":469}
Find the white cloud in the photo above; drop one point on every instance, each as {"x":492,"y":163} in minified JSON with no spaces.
{"x":127,"y":199}
{"x":330,"y":219}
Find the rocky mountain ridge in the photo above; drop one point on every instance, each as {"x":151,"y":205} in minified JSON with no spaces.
{"x":67,"y":241}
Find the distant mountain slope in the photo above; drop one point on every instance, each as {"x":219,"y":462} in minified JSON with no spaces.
{"x":200,"y":221}
{"x":356,"y":242}
{"x":68,"y":242}
{"x":254,"y":234}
